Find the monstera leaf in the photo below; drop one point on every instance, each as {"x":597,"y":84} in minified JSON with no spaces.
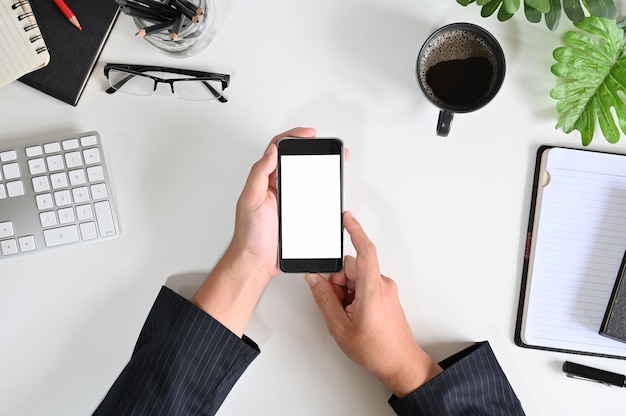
{"x":593,"y":67}
{"x":551,"y":9}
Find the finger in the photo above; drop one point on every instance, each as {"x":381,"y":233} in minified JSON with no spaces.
{"x":367,"y":268}
{"x":339,"y":278}
{"x":328,"y":303}
{"x":304,"y":132}
{"x":258,"y":180}
{"x":349,"y":268}
{"x":360,"y":240}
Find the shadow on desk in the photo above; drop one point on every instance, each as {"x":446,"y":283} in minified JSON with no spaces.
{"x":186,"y":284}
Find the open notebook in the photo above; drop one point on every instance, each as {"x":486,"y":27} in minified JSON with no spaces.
{"x":22,"y":48}
{"x":576,"y":240}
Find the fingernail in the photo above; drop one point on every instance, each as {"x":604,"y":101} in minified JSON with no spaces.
{"x":311,"y":279}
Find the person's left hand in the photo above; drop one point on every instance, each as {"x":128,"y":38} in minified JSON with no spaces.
{"x":255,"y":239}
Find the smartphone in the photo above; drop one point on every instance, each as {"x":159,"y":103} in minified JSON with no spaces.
{"x":310,"y":205}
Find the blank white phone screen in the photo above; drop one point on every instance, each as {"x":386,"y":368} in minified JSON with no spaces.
{"x":310,"y":187}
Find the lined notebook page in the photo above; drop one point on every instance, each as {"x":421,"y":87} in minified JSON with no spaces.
{"x":579,"y":238}
{"x":21,"y":50}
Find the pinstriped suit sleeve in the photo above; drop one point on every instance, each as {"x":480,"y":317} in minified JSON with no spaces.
{"x":472,"y":383}
{"x":184,"y":363}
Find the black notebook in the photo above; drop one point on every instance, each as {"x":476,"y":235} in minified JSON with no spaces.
{"x":614,"y":322}
{"x":575,"y":243}
{"x":73,"y":52}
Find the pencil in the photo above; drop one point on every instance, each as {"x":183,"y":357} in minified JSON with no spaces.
{"x":178,"y":24}
{"x":154,"y":28}
{"x":192,"y":6}
{"x":68,"y":13}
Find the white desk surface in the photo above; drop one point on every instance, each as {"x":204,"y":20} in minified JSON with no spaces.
{"x":448,"y":215}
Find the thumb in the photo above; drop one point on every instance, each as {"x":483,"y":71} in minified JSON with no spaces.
{"x":326,"y":300}
{"x":258,"y":179}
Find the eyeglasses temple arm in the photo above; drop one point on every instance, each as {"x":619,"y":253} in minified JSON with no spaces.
{"x":220,"y":97}
{"x":119,"y":84}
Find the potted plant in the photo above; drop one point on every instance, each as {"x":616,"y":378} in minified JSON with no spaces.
{"x":591,"y":65}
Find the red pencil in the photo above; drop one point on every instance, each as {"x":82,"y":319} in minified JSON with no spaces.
{"x":68,"y":13}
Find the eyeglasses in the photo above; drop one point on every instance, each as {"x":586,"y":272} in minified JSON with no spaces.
{"x":185,"y":84}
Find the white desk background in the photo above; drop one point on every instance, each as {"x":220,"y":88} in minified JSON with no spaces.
{"x":448,"y":215}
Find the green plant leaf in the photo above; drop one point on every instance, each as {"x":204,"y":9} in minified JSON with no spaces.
{"x":593,"y":69}
{"x":532,"y":15}
{"x":554,"y":15}
{"x":574,"y":10}
{"x":504,"y":14}
{"x":510,"y":7}
{"x":542,"y":6}
{"x":490,"y":7}
{"x":602,"y":8}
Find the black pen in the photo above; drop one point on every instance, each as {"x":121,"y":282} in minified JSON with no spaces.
{"x":593,"y":374}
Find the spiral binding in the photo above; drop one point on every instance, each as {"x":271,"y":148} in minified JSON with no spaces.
{"x":19,"y":3}
{"x":30,"y":27}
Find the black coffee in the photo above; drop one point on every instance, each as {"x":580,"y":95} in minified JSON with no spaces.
{"x":460,"y":82}
{"x":458,"y":69}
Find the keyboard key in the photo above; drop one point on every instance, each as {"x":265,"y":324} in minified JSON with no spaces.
{"x":80,"y":194}
{"x":36,"y":166}
{"x":89,"y":141}
{"x":33,"y":151}
{"x":41,"y":184}
{"x":55,"y":163}
{"x":62,"y":198}
{"x":95,"y":174}
{"x":105,"y":218}
{"x":62,"y":235}
{"x":66,"y":215}
{"x":84,"y":212}
{"x":52,"y":147}
{"x":3,"y":192}
{"x":70,"y":144}
{"x":99,"y":191}
{"x":88,"y":230}
{"x":73,"y":159}
{"x":27,"y":243}
{"x":8,"y":247}
{"x":44,"y":201}
{"x":77,"y":177}
{"x":91,"y":156}
{"x":6,"y":229}
{"x":48,"y":219}
{"x":11,"y":171}
{"x":58,"y":180}
{"x":15,"y":188}
{"x":8,"y":156}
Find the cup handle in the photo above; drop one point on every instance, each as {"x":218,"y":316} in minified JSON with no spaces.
{"x":444,"y":122}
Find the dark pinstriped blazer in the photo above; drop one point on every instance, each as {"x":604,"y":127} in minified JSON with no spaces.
{"x":186,"y":363}
{"x":472,"y":384}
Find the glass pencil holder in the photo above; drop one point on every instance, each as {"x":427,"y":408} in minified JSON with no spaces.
{"x":191,"y":39}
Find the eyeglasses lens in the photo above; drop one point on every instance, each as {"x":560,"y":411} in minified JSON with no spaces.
{"x":197,"y":90}
{"x":130,"y":83}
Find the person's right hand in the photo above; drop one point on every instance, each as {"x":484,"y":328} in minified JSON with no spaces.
{"x":363,"y":314}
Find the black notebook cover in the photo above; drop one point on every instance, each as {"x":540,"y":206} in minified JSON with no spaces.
{"x":614,"y":322}
{"x":73,"y":52}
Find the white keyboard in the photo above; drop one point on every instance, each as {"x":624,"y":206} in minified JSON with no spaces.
{"x":54,"y":192}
